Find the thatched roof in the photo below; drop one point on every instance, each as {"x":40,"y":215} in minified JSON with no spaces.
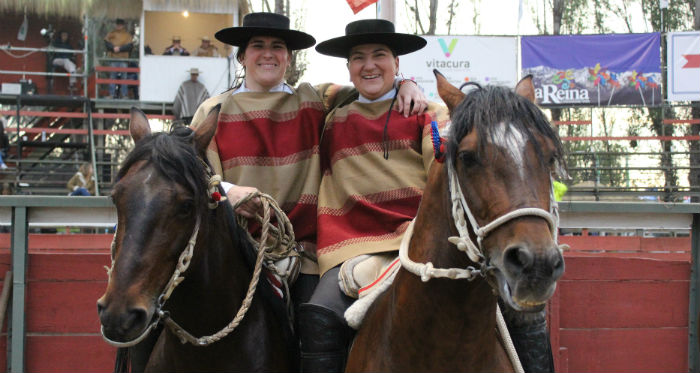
{"x":61,"y":8}
{"x":112,"y":8}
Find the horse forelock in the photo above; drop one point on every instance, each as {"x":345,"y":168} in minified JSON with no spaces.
{"x":501,"y":116}
{"x":174,"y":157}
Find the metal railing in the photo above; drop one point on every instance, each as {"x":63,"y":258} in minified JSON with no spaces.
{"x":51,"y":49}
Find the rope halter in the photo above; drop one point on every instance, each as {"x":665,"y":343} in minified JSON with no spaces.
{"x":177,"y":277}
{"x":475,"y":252}
{"x":275,"y":242}
{"x":463,"y":242}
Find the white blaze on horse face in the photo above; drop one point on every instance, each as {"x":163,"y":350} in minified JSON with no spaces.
{"x":513,"y":142}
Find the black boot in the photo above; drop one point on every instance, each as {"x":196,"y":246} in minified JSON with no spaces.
{"x":324,"y":339}
{"x":528,"y":330}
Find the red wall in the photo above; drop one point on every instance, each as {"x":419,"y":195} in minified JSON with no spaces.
{"x":622,"y":305}
{"x":613,"y":311}
{"x":66,"y":276}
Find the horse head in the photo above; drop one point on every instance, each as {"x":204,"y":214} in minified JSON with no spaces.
{"x":501,"y":156}
{"x":161,"y":197}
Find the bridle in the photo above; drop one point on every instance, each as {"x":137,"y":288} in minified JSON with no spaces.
{"x":475,"y":252}
{"x":183,"y":263}
{"x":160,"y":315}
{"x":463,"y":242}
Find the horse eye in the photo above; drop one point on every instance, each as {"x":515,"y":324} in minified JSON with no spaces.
{"x":468,"y":157}
{"x":185,"y":208}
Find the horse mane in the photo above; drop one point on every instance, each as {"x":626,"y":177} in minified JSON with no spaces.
{"x":174,"y":156}
{"x":483,"y":107}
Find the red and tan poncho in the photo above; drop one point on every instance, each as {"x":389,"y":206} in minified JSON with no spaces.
{"x":270,"y":140}
{"x":366,"y":201}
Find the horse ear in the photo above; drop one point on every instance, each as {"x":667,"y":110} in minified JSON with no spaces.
{"x":206,"y":130}
{"x":526,"y":89}
{"x":448,"y":93}
{"x":138,"y":125}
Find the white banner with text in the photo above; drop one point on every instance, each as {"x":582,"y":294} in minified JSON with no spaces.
{"x":481,"y":59}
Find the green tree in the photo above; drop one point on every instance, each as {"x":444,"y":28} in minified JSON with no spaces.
{"x":679,"y":16}
{"x":415,"y":10}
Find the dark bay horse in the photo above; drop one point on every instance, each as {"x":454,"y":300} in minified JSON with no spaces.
{"x":168,"y":220}
{"x":487,"y":222}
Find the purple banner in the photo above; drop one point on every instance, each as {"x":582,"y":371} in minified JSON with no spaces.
{"x":598,"y":70}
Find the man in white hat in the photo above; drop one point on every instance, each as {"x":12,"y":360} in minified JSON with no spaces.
{"x":206,"y":49}
{"x":189,"y":96}
{"x":176,"y":49}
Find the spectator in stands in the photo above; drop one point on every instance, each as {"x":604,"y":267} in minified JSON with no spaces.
{"x":7,"y":189}
{"x":206,"y":49}
{"x":190,"y":95}
{"x":118,"y":43}
{"x":176,"y":49}
{"x":83,"y":182}
{"x":133,"y":91}
{"x":64,"y":59}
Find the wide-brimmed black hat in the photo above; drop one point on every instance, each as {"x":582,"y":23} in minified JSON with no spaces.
{"x":371,"y":31}
{"x":265,"y":24}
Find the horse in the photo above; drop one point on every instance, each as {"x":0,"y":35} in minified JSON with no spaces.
{"x":176,"y":242}
{"x":440,"y":312}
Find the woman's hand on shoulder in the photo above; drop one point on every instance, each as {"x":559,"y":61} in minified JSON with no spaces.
{"x":411,"y":100}
{"x":250,"y":208}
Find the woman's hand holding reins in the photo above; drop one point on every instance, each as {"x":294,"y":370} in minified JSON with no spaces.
{"x":248,"y":209}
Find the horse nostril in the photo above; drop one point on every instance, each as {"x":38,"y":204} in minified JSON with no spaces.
{"x":516,"y":259}
{"x":135,"y":319}
{"x":557,"y":265}
{"x":100,"y":307}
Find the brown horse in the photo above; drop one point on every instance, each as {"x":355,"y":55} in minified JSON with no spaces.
{"x":168,"y":220}
{"x":501,"y":153}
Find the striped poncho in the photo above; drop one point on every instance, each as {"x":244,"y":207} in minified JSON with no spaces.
{"x":270,"y":140}
{"x":188,"y":98}
{"x":365,"y":201}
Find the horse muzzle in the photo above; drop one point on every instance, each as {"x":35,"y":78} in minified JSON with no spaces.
{"x":122,"y":324}
{"x":526,"y":279}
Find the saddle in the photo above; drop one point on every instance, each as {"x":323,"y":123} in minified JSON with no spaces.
{"x":364,"y":278}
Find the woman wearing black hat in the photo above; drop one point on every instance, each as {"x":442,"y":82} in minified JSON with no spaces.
{"x":374,"y":168}
{"x":268,"y":132}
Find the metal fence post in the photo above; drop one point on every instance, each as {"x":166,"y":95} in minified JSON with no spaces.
{"x":19,"y":265}
{"x":693,"y":352}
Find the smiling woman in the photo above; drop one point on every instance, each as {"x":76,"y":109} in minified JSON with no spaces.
{"x":268,"y":133}
{"x":265,"y":60}
{"x":372,"y":69}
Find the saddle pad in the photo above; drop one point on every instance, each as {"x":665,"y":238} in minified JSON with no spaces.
{"x":361,"y":273}
{"x":369,"y":293}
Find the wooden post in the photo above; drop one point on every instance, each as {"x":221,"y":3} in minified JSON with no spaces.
{"x":386,"y":10}
{"x":5,"y":295}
